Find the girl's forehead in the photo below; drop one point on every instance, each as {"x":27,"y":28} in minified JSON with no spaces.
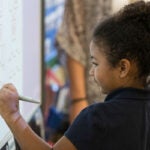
{"x":97,"y":49}
{"x":93,"y":47}
{"x":92,"y":44}
{"x":100,"y":45}
{"x":96,"y":52}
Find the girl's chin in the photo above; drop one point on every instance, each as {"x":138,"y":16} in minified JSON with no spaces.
{"x":104,"y":91}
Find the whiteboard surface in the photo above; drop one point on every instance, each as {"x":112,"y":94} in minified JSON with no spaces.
{"x":31,"y":55}
{"x":20,"y":53}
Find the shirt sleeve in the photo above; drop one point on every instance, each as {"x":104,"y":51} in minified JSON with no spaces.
{"x":87,"y":130}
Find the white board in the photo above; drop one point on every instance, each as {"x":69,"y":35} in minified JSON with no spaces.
{"x":20,"y":53}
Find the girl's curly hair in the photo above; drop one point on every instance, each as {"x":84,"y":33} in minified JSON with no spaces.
{"x":127,"y":35}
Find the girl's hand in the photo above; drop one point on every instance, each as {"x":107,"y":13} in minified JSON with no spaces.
{"x":9,"y":104}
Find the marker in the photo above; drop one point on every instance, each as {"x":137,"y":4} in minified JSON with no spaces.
{"x":28,"y":99}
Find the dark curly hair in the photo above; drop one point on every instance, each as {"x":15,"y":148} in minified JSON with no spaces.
{"x":127,"y":35}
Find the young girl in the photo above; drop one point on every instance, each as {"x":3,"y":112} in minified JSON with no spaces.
{"x":120,"y":52}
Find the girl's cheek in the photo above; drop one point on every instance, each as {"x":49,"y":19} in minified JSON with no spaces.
{"x":91,"y":72}
{"x":98,"y":77}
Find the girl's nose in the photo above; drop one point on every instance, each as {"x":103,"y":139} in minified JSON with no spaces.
{"x":91,"y":72}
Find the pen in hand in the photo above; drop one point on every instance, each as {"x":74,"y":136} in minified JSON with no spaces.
{"x":24,"y":98}
{"x":28,"y":99}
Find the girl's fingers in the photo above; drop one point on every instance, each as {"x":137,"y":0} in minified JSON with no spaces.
{"x":10,"y":86}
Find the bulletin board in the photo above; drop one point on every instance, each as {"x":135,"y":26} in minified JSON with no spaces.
{"x":21,"y":53}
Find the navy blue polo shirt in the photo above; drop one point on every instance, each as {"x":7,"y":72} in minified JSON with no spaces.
{"x":122,"y":122}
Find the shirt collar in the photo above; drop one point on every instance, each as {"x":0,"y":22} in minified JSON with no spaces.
{"x":128,"y":93}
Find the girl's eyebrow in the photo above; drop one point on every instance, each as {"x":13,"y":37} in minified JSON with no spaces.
{"x":92,"y":57}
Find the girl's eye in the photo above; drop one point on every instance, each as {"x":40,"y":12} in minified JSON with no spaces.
{"x":94,"y":64}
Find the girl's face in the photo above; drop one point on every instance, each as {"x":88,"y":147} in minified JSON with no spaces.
{"x":106,"y":76}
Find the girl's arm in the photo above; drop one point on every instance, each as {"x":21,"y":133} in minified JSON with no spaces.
{"x":26,"y":138}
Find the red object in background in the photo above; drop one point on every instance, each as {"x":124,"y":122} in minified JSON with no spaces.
{"x":51,"y":77}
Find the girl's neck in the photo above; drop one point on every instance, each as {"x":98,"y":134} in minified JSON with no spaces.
{"x":139,"y":84}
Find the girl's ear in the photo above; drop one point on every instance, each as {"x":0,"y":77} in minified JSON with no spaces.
{"x":124,"y":67}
